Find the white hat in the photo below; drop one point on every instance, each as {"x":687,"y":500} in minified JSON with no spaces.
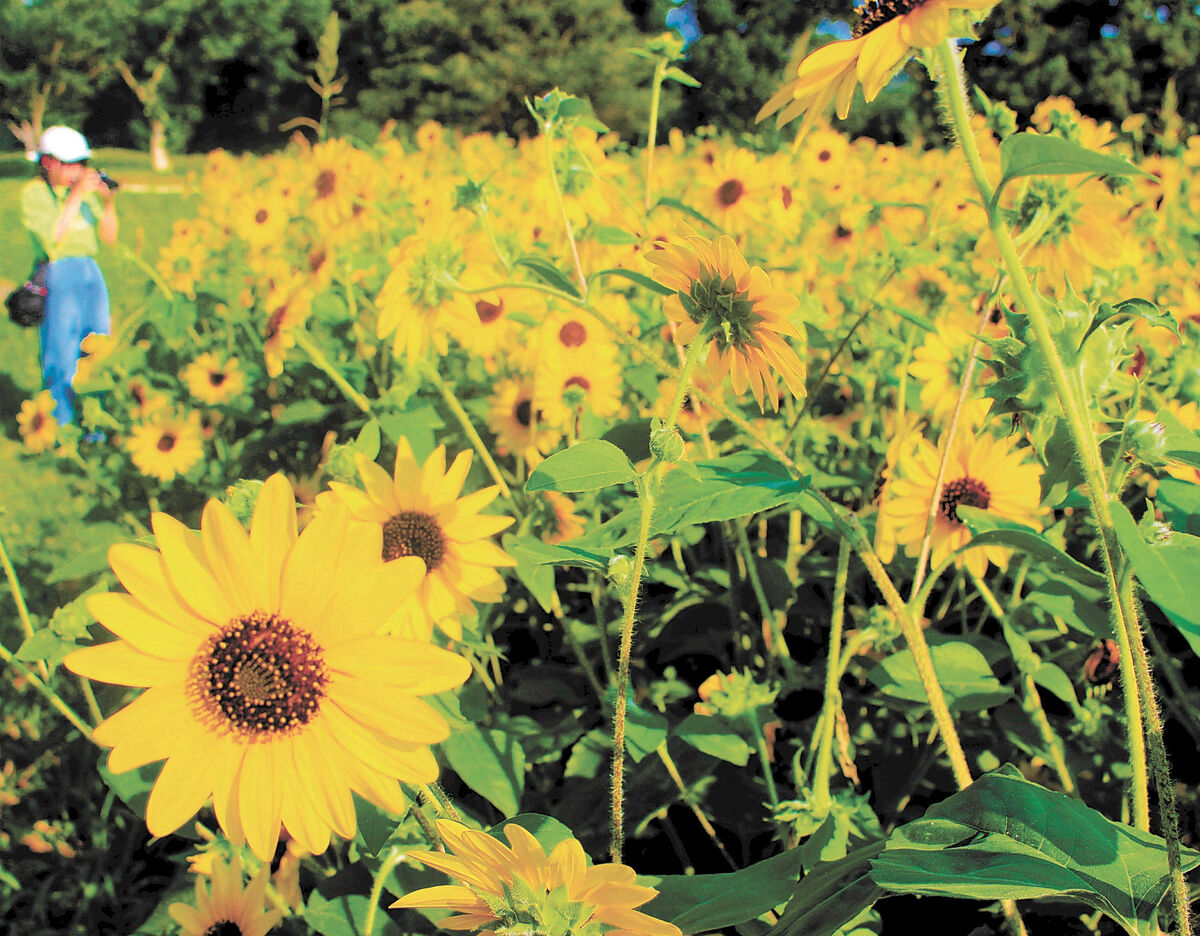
{"x":64,"y":144}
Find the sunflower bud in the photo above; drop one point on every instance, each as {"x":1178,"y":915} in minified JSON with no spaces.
{"x":665,"y":444}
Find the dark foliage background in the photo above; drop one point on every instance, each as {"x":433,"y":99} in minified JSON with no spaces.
{"x":233,"y":70}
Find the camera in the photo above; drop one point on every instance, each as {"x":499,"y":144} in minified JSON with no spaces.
{"x":108,"y":180}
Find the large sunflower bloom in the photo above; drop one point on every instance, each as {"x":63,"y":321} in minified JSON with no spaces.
{"x":227,"y":908}
{"x":886,"y":35}
{"x":520,"y":886}
{"x":419,"y":512}
{"x":268,"y":685}
{"x":982,"y":472}
{"x":721,"y":298}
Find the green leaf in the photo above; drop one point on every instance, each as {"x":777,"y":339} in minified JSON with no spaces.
{"x":306,"y":410}
{"x":1006,"y":838}
{"x":699,"y":903}
{"x":548,"y":273}
{"x":632,"y":438}
{"x":90,"y":553}
{"x":1179,"y":443}
{"x":1168,"y":570}
{"x":688,"y":210}
{"x":1180,"y":503}
{"x":714,"y":736}
{"x":988,"y":529}
{"x":738,"y":485}
{"x":546,"y":829}
{"x":678,"y":74}
{"x":831,"y":895}
{"x":339,"y":906}
{"x":490,"y":762}
{"x":375,"y":825}
{"x":611,"y":236}
{"x":962,"y":669}
{"x":369,"y":440}
{"x":1028,"y":154}
{"x":640,"y":278}
{"x":585,"y":466}
{"x":132,"y":787}
{"x":532,"y":568}
{"x":1143,"y":308}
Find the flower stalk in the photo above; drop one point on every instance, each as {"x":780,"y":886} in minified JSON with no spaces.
{"x":1136,"y":677}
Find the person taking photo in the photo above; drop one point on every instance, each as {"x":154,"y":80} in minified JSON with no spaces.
{"x":69,"y":210}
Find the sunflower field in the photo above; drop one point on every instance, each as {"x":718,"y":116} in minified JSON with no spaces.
{"x":557,"y":536}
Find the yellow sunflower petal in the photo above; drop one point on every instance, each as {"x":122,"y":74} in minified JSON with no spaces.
{"x":187,"y":569}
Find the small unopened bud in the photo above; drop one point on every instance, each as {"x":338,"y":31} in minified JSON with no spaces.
{"x":620,"y":572}
{"x":1149,"y":441}
{"x":666,"y":445}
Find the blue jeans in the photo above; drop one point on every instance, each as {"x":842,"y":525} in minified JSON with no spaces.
{"x":76,"y":306}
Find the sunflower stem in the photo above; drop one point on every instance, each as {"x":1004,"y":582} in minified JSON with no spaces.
{"x":305,"y":343}
{"x":393,"y":857}
{"x":647,"y":488}
{"x":1079,"y":425}
{"x":464,"y":420}
{"x":939,"y":481}
{"x":660,"y":73}
{"x":49,"y":694}
{"x":769,"y":625}
{"x":824,"y":743}
{"x":18,"y":595}
{"x":548,"y":136}
{"x":686,"y":795}
{"x":1032,"y":702}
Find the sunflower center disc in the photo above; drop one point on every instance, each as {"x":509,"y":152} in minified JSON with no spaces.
{"x":729,"y":192}
{"x":224,"y":928}
{"x":874,"y":13}
{"x":260,"y":675}
{"x":960,"y":492}
{"x":166,"y":442}
{"x":412,"y":533}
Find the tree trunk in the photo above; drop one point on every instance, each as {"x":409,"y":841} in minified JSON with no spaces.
{"x":159,"y":160}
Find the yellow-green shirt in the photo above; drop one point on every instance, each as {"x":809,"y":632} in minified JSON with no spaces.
{"x":40,"y":210}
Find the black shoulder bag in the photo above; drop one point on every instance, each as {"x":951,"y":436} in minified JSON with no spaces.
{"x":27,"y":303}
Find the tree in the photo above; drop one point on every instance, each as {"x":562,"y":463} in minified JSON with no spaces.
{"x":172,"y":53}
{"x":50,"y":56}
{"x":472,"y":63}
{"x":1112,"y":59}
{"x":740,"y":56}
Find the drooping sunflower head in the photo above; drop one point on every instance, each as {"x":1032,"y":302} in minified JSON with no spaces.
{"x":518,"y":888}
{"x":720,"y":298}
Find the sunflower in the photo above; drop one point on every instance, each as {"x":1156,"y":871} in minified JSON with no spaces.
{"x":981,"y":472}
{"x":166,"y":445}
{"x":420,"y":514}
{"x":228,"y":910}
{"x":570,"y":381}
{"x":519,"y":427}
{"x":722,"y":299}
{"x":269,"y":686}
{"x":519,"y":888}
{"x":213,"y":381}
{"x":38,"y":427}
{"x":887,"y":33}
{"x":938,"y":366}
{"x":734,"y":190}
